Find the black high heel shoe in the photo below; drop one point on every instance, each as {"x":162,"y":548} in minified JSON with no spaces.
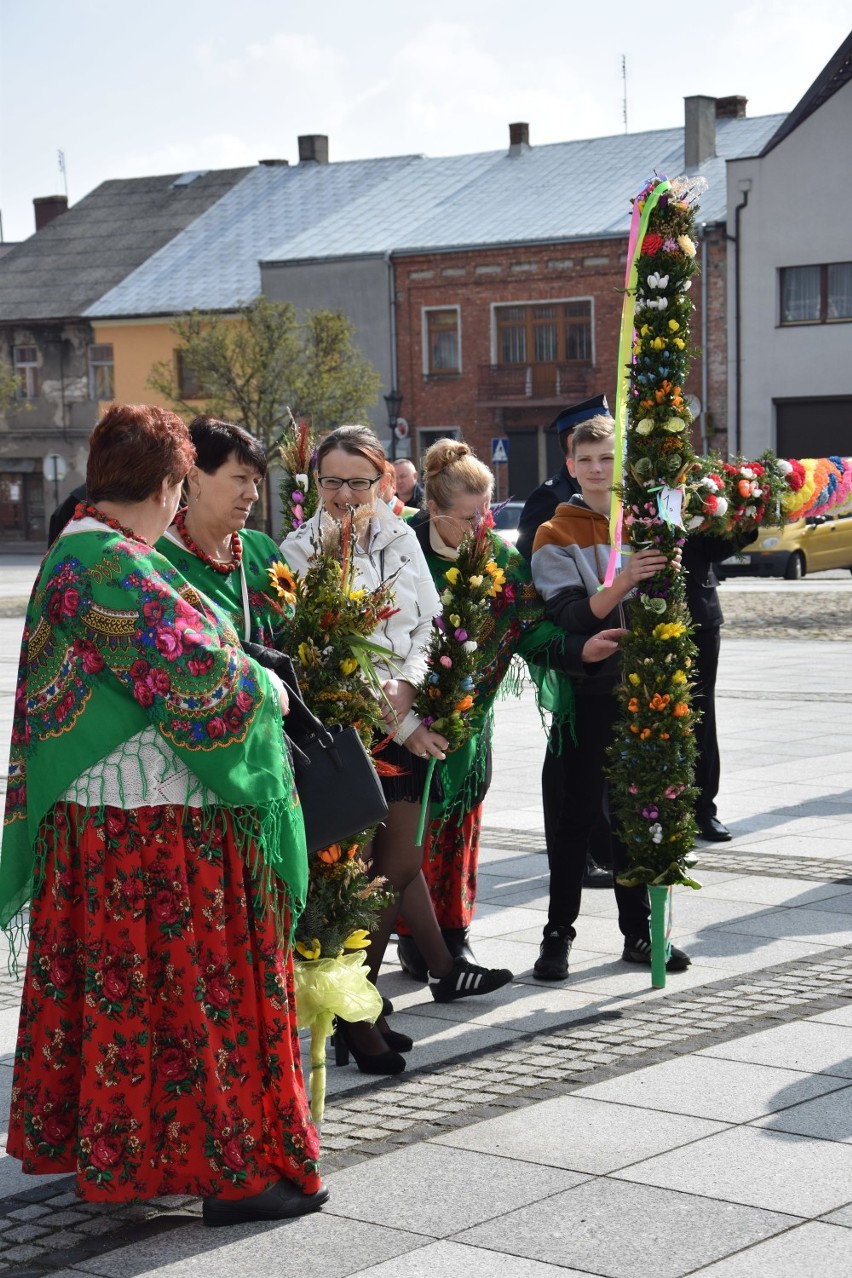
{"x":388,"y":1062}
{"x":397,"y":1042}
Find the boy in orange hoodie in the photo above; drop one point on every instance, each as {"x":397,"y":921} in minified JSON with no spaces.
{"x":570,"y":556}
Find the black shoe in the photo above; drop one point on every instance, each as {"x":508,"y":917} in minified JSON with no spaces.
{"x":552,"y":961}
{"x":457,"y":941}
{"x":466,"y":978}
{"x":637,"y":949}
{"x":596,"y":876}
{"x":281,"y":1201}
{"x":368,"y":1062}
{"x":713,"y":831}
{"x":387,"y":1007}
{"x":411,"y":960}
{"x":397,"y":1042}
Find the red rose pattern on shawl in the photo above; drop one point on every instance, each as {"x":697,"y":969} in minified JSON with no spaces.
{"x":157,"y":1048}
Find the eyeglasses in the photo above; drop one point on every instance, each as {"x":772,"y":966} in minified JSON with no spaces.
{"x":331,"y":483}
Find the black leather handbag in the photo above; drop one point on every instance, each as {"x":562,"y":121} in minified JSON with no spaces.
{"x":338,"y":786}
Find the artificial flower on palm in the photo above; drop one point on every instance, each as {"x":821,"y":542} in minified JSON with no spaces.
{"x":298,"y":488}
{"x":446,"y":701}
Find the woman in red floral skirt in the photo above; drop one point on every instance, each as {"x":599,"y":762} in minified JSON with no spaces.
{"x":152,"y":825}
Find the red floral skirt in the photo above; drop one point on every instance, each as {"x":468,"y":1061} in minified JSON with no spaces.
{"x":450,"y":864}
{"x":157,"y":1049}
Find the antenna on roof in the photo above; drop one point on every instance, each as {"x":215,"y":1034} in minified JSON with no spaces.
{"x":61,"y":157}
{"x":624,"y":78}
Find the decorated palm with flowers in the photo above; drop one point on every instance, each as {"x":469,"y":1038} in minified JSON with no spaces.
{"x":298,"y":487}
{"x":726,"y":498}
{"x":329,"y":633}
{"x":447,"y":701}
{"x":652,"y":758}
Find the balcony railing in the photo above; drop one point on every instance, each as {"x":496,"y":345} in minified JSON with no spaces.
{"x":531,"y":383}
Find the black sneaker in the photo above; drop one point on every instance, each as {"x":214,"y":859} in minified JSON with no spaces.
{"x":596,"y":876}
{"x":637,"y":949}
{"x":466,"y":978}
{"x":552,"y":961}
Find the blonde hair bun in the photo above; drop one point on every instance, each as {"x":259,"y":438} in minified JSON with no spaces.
{"x":450,"y":467}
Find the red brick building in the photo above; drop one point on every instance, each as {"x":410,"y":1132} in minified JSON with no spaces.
{"x":493,"y":342}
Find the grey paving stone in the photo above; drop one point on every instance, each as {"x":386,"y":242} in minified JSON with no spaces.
{"x":841,"y":1217}
{"x":474,"y":1187}
{"x":837,"y":1016}
{"x":320,"y":1245}
{"x":731,"y":1091}
{"x":810,"y":1046}
{"x":814,"y":1248}
{"x":828,"y":1117}
{"x":580,"y":1134}
{"x":626,"y":1231}
{"x":458,"y":1260}
{"x":760,"y":1168}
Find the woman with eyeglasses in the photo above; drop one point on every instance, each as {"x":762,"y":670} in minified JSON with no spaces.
{"x":458,"y":493}
{"x":350,"y":465}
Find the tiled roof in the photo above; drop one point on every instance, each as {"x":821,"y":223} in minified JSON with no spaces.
{"x":213,"y":265}
{"x":62,"y":269}
{"x":549,"y":193}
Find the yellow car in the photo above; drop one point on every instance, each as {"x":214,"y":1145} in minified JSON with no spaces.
{"x":812,"y":544}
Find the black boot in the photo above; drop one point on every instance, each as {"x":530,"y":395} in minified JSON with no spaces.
{"x":457,"y":941}
{"x":411,"y":960}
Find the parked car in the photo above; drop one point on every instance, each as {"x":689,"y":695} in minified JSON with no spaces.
{"x":506,"y":520}
{"x":812,"y":544}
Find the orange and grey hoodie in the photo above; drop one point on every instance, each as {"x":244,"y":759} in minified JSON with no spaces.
{"x":569,"y":560}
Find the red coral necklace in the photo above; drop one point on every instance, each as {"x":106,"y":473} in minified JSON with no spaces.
{"x":84,"y":509}
{"x":215,"y":564}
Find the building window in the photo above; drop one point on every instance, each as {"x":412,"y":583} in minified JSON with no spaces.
{"x":101,"y":369}
{"x":816,"y":294}
{"x":544,"y":333}
{"x":26,"y":371}
{"x":189,"y":383}
{"x":442,"y":341}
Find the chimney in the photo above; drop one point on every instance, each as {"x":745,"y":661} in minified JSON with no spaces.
{"x":733,"y":108}
{"x":274,"y":164}
{"x":699,"y":136}
{"x":313,"y":148}
{"x":519,"y":139}
{"x":48,"y":207}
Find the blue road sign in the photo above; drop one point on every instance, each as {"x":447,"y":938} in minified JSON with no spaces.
{"x":499,"y":450}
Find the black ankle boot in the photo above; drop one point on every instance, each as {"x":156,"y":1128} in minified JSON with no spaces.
{"x":411,"y":960}
{"x":457,"y":941}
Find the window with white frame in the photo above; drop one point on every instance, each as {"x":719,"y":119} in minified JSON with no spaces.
{"x":101,"y":372}
{"x":25,"y":359}
{"x":820,"y":294}
{"x":441,"y":341}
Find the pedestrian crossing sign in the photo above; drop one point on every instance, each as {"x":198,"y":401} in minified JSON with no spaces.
{"x":499,"y":450}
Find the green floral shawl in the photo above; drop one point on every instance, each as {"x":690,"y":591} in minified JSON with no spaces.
{"x":115,"y":640}
{"x":268,"y":620}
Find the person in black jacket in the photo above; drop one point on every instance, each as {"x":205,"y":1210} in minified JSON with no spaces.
{"x":541,"y":506}
{"x":63,"y":513}
{"x":701,"y":553}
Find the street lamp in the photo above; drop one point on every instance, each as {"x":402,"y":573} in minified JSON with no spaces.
{"x":393,"y":399}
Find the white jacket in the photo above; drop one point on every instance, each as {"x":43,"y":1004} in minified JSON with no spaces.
{"x":392,"y":546}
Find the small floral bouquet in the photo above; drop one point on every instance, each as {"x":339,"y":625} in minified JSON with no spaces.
{"x":298,"y":488}
{"x":706,"y":502}
{"x":331,"y":629}
{"x":446,"y":701}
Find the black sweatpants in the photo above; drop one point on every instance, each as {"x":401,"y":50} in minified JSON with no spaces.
{"x":584,"y":804}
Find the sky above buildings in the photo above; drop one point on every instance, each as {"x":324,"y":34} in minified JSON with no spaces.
{"x":126,"y":90}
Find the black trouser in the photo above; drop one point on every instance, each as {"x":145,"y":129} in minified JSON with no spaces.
{"x":600,"y":849}
{"x":584,"y":805}
{"x":707,"y":764}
